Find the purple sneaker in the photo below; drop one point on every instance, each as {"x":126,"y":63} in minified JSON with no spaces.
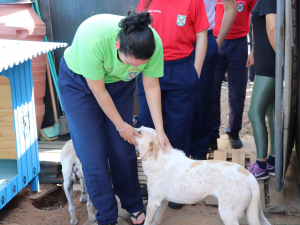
{"x":271,"y":169}
{"x":257,"y":172}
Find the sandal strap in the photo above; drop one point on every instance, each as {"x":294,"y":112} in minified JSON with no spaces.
{"x":137,"y":215}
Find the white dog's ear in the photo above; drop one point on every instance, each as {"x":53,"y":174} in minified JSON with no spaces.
{"x":154,"y":147}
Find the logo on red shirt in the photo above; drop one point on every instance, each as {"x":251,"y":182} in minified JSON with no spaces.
{"x":181,"y":19}
{"x":240,"y":7}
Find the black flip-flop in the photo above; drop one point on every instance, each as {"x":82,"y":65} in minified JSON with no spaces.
{"x":137,"y":216}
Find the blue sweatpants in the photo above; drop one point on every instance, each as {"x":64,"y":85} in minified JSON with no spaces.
{"x":233,"y":57}
{"x":97,"y":143}
{"x":178,"y":93}
{"x":202,"y":119}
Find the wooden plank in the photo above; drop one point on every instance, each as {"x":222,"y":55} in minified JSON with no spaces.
{"x":26,"y":123}
{"x":276,"y":198}
{"x":229,"y":154}
{"x":220,"y":155}
{"x":239,"y":158}
{"x":142,"y":178}
{"x":58,"y":180}
{"x":34,"y":144}
{"x":53,"y":142}
{"x":7,"y":131}
{"x":33,"y":149}
{"x":43,"y":192}
{"x":22,"y":129}
{"x":44,"y":146}
{"x":141,"y":173}
{"x":16,"y":111}
{"x":262,"y":193}
{"x":252,"y":156}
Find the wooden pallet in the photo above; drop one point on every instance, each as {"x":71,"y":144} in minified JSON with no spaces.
{"x":142,"y":176}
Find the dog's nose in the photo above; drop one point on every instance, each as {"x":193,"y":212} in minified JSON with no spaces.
{"x":140,"y":132}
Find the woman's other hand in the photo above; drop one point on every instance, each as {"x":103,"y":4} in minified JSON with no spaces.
{"x":128,"y":134}
{"x":163,"y":141}
{"x":250,"y":60}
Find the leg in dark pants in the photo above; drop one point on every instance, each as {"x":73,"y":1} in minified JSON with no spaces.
{"x":202,"y":127}
{"x":121,"y":154}
{"x":216,"y":97}
{"x":237,"y":54}
{"x":92,"y":135}
{"x":178,"y":91}
{"x":233,"y":57}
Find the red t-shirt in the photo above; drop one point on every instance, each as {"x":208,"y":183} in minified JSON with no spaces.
{"x":241,"y":24}
{"x":177,"y":23}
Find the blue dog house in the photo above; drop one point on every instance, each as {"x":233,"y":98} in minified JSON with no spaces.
{"x":19,"y":159}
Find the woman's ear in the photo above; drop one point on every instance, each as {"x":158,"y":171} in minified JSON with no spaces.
{"x":118,"y":44}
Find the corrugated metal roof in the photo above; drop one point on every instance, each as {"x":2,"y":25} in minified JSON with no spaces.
{"x":14,"y":52}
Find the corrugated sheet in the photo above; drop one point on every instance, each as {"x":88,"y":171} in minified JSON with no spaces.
{"x":14,"y":52}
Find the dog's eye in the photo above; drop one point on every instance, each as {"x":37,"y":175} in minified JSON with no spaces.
{"x":139,"y":132}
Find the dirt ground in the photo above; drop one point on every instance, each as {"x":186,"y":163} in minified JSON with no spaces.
{"x":53,"y":209}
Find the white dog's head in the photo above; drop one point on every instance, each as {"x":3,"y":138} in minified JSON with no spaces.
{"x":147,"y":144}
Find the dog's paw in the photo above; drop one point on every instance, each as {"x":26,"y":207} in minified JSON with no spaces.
{"x":83,"y":197}
{"x":92,"y":218}
{"x":74,"y":222}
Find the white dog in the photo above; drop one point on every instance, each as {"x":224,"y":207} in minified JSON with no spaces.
{"x":174,"y":177}
{"x":72,"y":171}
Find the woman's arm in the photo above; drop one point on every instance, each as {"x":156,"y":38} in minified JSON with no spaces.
{"x":228,"y":19}
{"x":271,"y":29}
{"x":153,"y":96}
{"x":107,"y":105}
{"x":201,"y":46}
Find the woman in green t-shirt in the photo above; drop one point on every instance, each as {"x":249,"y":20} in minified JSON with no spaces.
{"x":96,"y":79}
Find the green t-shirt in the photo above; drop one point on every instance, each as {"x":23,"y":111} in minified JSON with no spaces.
{"x":94,"y":56}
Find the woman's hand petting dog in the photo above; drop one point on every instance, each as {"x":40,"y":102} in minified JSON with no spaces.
{"x":128,"y":135}
{"x":163,"y":140}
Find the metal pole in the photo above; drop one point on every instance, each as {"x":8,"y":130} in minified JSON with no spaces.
{"x":287,"y":97}
{"x":278,"y":92}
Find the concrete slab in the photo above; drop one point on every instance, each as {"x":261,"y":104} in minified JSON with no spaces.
{"x":276,"y":198}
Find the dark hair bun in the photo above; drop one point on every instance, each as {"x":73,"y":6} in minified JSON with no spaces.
{"x":135,"y":20}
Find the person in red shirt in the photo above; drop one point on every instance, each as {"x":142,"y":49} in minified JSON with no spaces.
{"x":232,"y":58}
{"x":180,"y":24}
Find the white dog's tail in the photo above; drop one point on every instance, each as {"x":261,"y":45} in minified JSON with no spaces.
{"x":255,"y":215}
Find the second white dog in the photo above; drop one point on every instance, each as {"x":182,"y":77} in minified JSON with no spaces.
{"x":174,"y":177}
{"x":72,"y":171}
